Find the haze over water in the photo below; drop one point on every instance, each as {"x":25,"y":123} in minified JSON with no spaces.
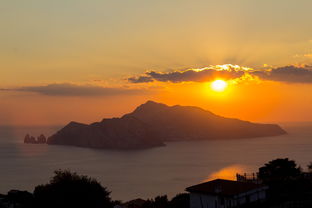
{"x":145,"y":173}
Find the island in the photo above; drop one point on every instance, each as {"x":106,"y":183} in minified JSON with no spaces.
{"x":152,"y":124}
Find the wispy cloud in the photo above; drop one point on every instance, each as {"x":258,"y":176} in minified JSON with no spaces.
{"x":141,"y":79}
{"x":68,"y":89}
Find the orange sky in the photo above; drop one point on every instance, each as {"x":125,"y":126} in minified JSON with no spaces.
{"x":262,"y":102}
{"x":63,"y":61}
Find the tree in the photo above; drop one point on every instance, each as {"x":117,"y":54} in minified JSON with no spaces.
{"x":180,"y":201}
{"x":67,"y":189}
{"x":161,"y":201}
{"x":285,"y":180}
{"x":279,"y":170}
{"x":22,"y":199}
{"x":310,"y":167}
{"x":158,"y":202}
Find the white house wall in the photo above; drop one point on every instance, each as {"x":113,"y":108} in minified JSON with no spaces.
{"x":209,"y":201}
{"x":254,"y":195}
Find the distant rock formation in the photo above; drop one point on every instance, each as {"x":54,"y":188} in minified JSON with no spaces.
{"x":151,"y":124}
{"x":41,"y":139}
{"x":32,"y":140}
{"x":29,"y":139}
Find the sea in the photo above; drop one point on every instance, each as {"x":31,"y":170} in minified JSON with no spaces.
{"x":150,"y":172}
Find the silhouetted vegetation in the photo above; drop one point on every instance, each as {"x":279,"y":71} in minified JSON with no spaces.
{"x":67,"y":189}
{"x":179,"y":201}
{"x":310,"y":167}
{"x":157,"y":202}
{"x":286,"y":181}
{"x":21,"y":199}
{"x":279,"y":170}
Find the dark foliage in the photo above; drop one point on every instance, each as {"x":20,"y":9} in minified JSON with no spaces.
{"x":67,"y":189}
{"x":161,"y":202}
{"x":279,"y":170}
{"x":310,"y":167}
{"x":286,"y":181}
{"x":179,"y":201}
{"x":157,"y":202}
{"x":22,"y":199}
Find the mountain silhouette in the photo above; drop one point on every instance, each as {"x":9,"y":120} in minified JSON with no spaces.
{"x":115,"y":133}
{"x":151,"y":124}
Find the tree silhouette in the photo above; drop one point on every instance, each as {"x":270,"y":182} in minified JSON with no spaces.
{"x":285,"y":180}
{"x":67,"y":189}
{"x":161,"y":201}
{"x":310,"y":167}
{"x":22,"y":199}
{"x":158,"y":202}
{"x":180,"y":201}
{"x":279,"y":170}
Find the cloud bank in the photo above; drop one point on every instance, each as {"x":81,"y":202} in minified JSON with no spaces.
{"x":68,"y":89}
{"x":287,"y":74}
{"x":290,"y":74}
{"x":195,"y":75}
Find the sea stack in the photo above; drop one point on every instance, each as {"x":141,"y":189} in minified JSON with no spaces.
{"x":41,"y":139}
{"x":32,"y":140}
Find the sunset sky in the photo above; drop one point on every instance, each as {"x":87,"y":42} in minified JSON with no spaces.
{"x":80,"y":60}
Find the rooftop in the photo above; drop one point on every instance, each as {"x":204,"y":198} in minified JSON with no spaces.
{"x":224,"y":187}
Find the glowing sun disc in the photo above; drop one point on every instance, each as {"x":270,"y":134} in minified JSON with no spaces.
{"x":218,"y":85}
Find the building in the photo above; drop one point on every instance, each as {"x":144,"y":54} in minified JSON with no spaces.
{"x":225,"y":194}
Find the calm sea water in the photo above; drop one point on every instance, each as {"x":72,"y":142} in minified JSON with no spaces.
{"x":145,"y":173}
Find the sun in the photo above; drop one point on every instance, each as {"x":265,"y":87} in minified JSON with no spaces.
{"x":219,"y":85}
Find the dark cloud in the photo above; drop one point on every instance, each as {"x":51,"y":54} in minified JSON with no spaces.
{"x":140,"y":79}
{"x":67,"y":89}
{"x":291,"y":74}
{"x":203,"y":75}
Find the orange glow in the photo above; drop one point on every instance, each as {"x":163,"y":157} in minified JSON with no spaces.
{"x":219,"y":85}
{"x":228,"y":173}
